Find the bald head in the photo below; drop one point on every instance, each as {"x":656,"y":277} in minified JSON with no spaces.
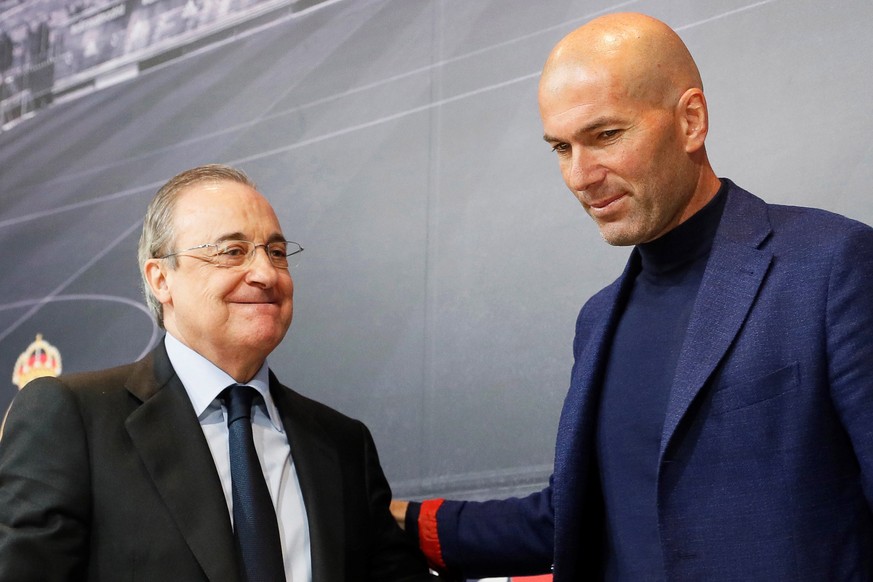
{"x":640,"y":54}
{"x":622,"y":106}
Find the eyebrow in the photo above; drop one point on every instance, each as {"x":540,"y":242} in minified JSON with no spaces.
{"x":598,"y":123}
{"x":275,"y":237}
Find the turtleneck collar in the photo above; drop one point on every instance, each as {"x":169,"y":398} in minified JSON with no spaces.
{"x":686,"y":243}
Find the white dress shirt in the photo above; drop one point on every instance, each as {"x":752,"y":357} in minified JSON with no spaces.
{"x":204,"y":381}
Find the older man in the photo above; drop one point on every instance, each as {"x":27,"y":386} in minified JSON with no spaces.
{"x":719,"y":422}
{"x":195,"y":463}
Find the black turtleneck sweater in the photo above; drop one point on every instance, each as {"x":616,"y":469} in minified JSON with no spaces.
{"x":639,"y":374}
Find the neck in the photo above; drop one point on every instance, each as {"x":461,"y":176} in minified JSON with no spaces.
{"x":238,"y":363}
{"x":705,"y":190}
{"x":242,"y":372}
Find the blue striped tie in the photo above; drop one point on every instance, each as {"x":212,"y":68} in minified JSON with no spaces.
{"x":255,"y":529}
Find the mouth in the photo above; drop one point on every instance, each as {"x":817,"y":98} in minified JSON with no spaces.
{"x":256,"y":302}
{"x":604,"y":206}
{"x":599,"y":204}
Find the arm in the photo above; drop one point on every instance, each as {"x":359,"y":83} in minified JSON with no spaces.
{"x":508,"y":537}
{"x":850,"y":346}
{"x":44,"y":486}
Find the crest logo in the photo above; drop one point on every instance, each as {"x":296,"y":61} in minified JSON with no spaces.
{"x":38,"y":360}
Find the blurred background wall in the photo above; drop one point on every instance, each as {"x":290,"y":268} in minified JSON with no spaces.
{"x":399,"y":140}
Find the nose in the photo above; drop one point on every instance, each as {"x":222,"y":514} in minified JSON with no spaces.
{"x":583,"y":171}
{"x":260,"y":270}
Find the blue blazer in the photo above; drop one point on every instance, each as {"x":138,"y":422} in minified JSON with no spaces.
{"x":766,"y":461}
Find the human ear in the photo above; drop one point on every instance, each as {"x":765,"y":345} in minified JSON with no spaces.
{"x":157,"y":279}
{"x":694,"y":119}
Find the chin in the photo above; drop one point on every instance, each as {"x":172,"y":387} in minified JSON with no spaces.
{"x":263,"y":337}
{"x":626,"y":234}
{"x":619,"y":239}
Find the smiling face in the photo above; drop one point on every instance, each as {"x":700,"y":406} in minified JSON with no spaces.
{"x":234,"y":317}
{"x":621,"y":107}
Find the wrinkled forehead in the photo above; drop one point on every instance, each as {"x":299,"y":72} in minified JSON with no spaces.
{"x":219,"y":210}
{"x":617,"y":81}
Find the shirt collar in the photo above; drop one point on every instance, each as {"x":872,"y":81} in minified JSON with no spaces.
{"x":204,"y":381}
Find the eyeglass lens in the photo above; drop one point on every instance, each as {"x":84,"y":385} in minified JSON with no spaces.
{"x":240,"y":252}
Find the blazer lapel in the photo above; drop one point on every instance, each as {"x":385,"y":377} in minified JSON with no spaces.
{"x":579,"y":409}
{"x":318,"y":470}
{"x":733,"y":276}
{"x":171,"y":444}
{"x":579,"y":414}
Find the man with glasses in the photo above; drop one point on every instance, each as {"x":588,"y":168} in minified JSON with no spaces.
{"x":195,"y":463}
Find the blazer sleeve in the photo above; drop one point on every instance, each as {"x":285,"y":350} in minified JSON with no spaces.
{"x":44,"y":486}
{"x":850,"y":345}
{"x":478,"y":539}
{"x":392,"y":557}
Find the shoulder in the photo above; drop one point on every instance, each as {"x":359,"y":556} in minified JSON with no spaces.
{"x":308,"y":410}
{"x":320,"y":410}
{"x":77,"y":385}
{"x":99,"y":379}
{"x":81,"y":395}
{"x":746,"y":215}
{"x":816,"y":224}
{"x":810,"y":238}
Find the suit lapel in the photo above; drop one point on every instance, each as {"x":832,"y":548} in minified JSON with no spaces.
{"x":320,"y":477}
{"x":733,"y":276}
{"x":172,"y":447}
{"x":579,"y":414}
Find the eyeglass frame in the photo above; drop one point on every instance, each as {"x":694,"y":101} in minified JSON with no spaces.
{"x":249,"y":256}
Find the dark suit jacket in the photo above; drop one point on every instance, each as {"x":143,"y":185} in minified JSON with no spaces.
{"x":766,"y":461}
{"x":107,"y":476}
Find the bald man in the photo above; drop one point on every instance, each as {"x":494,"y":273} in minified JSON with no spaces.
{"x":719,"y":421}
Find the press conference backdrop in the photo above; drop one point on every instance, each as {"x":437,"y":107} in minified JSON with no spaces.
{"x":399,"y":140}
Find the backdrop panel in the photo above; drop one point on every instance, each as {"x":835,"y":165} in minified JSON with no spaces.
{"x":399,"y":140}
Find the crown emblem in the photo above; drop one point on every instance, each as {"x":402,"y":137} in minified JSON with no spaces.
{"x":38,"y":360}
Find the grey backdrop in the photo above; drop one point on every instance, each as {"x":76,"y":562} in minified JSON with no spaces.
{"x":399,"y":140}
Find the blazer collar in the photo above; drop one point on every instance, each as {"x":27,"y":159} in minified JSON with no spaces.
{"x":170,"y":442}
{"x":320,"y":476}
{"x":734,"y":274}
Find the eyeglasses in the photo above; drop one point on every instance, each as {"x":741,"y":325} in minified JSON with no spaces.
{"x":239,"y":253}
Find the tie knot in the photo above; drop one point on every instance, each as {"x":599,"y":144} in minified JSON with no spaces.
{"x":238,"y":400}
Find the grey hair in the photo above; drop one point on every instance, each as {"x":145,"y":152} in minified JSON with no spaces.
{"x":158,"y":233}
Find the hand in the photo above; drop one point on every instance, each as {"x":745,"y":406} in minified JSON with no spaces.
{"x":398,"y":510}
